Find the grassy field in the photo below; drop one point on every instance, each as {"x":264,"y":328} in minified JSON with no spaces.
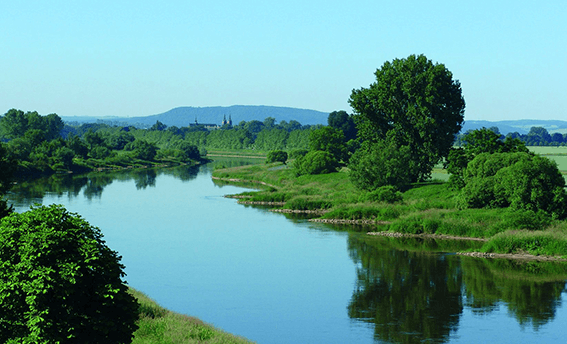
{"x":429,"y":208}
{"x":159,"y":325}
{"x":558,"y":154}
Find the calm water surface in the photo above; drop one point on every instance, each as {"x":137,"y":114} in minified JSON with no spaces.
{"x":273,"y":279}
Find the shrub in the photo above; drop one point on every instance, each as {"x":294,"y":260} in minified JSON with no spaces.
{"x":298,"y":153}
{"x":518,"y":180}
{"x":142,"y":149}
{"x":316,"y":162}
{"x":380,"y":164}
{"x":59,"y":282}
{"x":276,"y":156}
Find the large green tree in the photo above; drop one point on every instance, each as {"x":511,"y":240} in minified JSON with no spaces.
{"x":418,"y":104}
{"x":60,"y":283}
{"x":343,"y":121}
{"x":329,"y":139}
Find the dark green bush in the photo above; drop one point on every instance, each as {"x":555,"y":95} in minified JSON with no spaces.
{"x":520,"y":181}
{"x":60,"y":283}
{"x":380,"y":164}
{"x":298,"y":153}
{"x":276,"y":156}
{"x":316,"y":162}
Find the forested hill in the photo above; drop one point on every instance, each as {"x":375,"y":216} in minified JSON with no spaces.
{"x":182,"y":116}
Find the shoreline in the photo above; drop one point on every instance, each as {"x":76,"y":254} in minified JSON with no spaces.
{"x":521,"y":250}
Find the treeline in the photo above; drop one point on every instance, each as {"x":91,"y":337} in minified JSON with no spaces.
{"x":257,"y":135}
{"x":45,"y":144}
{"x":537,"y":136}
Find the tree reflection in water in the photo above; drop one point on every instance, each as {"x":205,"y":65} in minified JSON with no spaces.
{"x":92,"y":185}
{"x":414,"y":296}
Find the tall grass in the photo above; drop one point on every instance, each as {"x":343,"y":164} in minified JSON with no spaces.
{"x":552,"y":242}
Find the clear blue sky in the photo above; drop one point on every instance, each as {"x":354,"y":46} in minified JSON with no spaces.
{"x":138,"y":58}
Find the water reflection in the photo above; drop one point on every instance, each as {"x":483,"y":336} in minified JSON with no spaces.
{"x":531,"y":290}
{"x":409,"y":296}
{"x":413,"y":296}
{"x":91,"y":185}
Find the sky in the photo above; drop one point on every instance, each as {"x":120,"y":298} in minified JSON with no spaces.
{"x":140,"y":58}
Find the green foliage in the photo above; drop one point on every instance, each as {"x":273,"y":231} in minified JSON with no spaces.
{"x":386,"y":194}
{"x":276,"y":156}
{"x":142,"y":149}
{"x":7,"y":169}
{"x":298,"y":153}
{"x":316,"y":162}
{"x":518,"y":180}
{"x":474,"y":143}
{"x":364,"y":212}
{"x":381,"y":164}
{"x":329,"y":139}
{"x":59,"y":282}
{"x":415,"y":103}
{"x":344,"y":122}
{"x":190,"y":151}
{"x":158,"y":126}
{"x":552,"y":243}
{"x":271,"y":139}
{"x":307,"y":203}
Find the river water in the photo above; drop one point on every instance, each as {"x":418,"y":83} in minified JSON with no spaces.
{"x":275,"y":279}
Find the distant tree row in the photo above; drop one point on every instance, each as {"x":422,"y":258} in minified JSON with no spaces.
{"x":44,"y":144}
{"x":537,"y":136}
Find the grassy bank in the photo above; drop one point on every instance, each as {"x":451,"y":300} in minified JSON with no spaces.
{"x":159,"y":325}
{"x":429,"y":208}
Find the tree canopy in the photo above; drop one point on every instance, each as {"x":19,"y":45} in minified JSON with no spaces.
{"x":60,"y":283}
{"x":416,"y":102}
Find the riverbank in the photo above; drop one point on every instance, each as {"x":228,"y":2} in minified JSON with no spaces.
{"x":425,"y":209}
{"x":26,"y":171}
{"x":159,"y":325}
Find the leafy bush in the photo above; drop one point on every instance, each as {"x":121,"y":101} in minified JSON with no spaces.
{"x":316,"y":162}
{"x":142,"y":149}
{"x":380,"y":164}
{"x":60,"y":283}
{"x":518,"y":180}
{"x":298,"y":153}
{"x":276,"y":156}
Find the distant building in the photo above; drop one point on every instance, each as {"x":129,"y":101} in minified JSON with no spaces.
{"x":225,"y":122}
{"x":211,"y":126}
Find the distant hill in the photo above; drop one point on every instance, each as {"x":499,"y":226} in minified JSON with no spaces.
{"x":182,"y":116}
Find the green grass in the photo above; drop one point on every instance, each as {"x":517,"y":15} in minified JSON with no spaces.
{"x":552,"y":242}
{"x":427,"y":208}
{"x":159,"y":325}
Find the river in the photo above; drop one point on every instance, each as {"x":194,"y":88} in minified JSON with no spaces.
{"x":274,"y":279}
